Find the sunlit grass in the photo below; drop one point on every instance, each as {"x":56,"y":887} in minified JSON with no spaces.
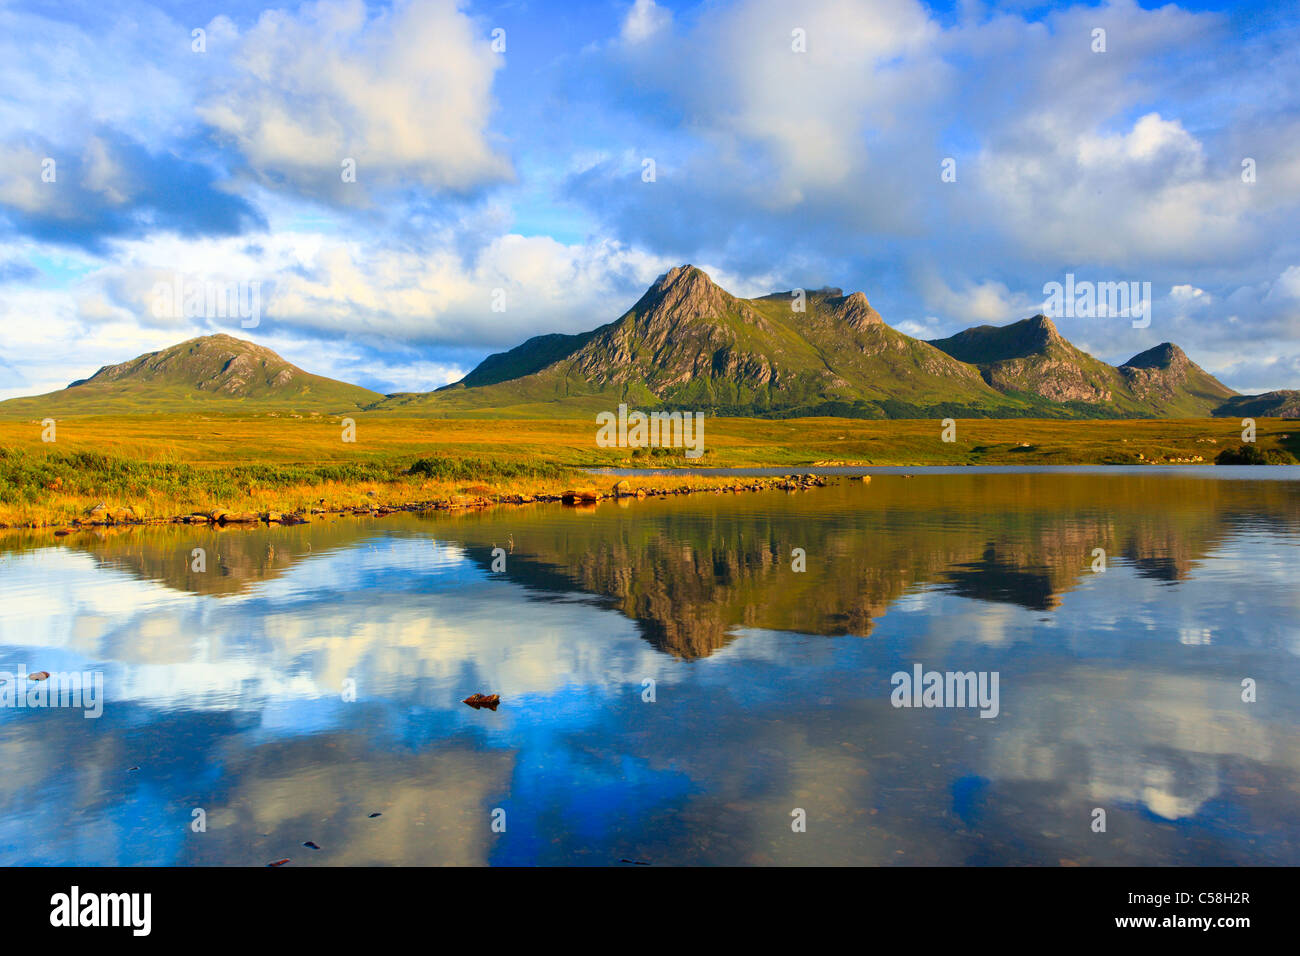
{"x":162,"y":466}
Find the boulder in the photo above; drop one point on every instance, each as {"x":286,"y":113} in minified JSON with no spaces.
{"x":240,"y":517}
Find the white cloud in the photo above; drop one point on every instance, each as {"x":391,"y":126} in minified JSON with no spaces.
{"x":987,"y":302}
{"x":1088,"y":196}
{"x":348,"y":308}
{"x":644,"y":20}
{"x":405,"y":93}
{"x":1287,"y":286}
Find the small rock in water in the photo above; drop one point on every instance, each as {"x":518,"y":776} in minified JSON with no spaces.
{"x":279,"y":862}
{"x":373,"y":815}
{"x":310,"y":845}
{"x":490,"y":701}
{"x":39,"y":675}
{"x":132,"y":769}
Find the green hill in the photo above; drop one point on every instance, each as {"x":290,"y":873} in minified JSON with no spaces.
{"x":217,"y":373}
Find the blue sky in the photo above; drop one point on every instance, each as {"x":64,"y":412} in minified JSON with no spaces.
{"x":522,"y":170}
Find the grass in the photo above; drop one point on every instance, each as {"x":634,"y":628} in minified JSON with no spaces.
{"x":160,"y":466}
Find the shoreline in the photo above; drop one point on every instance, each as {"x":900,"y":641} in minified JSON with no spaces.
{"x":101,"y":516}
{"x":165,"y":469}
{"x":651,"y":483}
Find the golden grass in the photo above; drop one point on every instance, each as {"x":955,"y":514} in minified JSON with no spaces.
{"x":268,"y":463}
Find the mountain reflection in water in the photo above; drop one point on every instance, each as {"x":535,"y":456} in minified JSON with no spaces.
{"x":1119,"y":690}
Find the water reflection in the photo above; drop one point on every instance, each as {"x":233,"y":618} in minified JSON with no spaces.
{"x":1119,"y":689}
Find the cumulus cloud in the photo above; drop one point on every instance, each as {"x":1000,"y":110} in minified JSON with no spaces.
{"x":390,"y":317}
{"x":792,"y":148}
{"x":984,"y":303}
{"x":1123,"y":165}
{"x":405,"y":93}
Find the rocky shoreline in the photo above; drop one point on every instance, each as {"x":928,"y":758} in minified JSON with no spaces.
{"x":102,"y":516}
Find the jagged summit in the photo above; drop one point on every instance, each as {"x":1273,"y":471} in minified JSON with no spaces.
{"x":1164,"y":373}
{"x":684,"y":292}
{"x":854,"y":310}
{"x":683,"y":276}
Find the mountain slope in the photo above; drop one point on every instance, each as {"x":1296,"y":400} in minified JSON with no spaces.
{"x":1031,"y":356}
{"x":533,"y":356}
{"x":689,"y":343}
{"x":1284,"y":403}
{"x":1164,"y":379}
{"x":217,"y":372}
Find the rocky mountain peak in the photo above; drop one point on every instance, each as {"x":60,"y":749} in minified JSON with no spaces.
{"x":1164,"y":355}
{"x":855,"y":310}
{"x":684,"y":292}
{"x":1042,"y":326}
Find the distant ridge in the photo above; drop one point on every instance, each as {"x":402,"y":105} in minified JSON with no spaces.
{"x":687,"y":343}
{"x":1032,"y":356}
{"x":1284,"y":403}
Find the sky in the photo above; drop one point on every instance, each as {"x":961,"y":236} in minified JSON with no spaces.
{"x":407,"y":187}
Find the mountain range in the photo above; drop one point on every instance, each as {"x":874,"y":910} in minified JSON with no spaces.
{"x":687,"y":343}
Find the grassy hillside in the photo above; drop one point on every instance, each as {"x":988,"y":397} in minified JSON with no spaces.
{"x":1031,"y":357}
{"x":687,"y":343}
{"x":214,"y":373}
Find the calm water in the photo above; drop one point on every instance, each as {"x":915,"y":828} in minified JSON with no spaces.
{"x":225,"y":691}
